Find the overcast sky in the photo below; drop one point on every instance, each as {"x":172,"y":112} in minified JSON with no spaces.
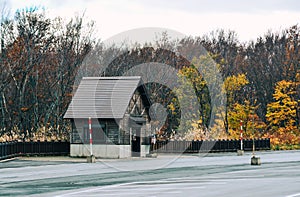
{"x":248,"y":18}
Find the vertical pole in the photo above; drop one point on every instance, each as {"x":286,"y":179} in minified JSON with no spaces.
{"x":253,"y":147}
{"x":91,"y":138}
{"x":130,"y":136}
{"x":241,"y":136}
{"x":253,"y":142}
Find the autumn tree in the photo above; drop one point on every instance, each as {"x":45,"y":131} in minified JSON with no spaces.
{"x":264,"y":64}
{"x":253,"y":126}
{"x":292,"y":62}
{"x":232,"y":85}
{"x":191,"y":105}
{"x":5,"y":24}
{"x":281,"y":115}
{"x":282,"y":112}
{"x":40,"y":60}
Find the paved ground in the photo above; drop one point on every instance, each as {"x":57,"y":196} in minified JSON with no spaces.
{"x":167,"y":175}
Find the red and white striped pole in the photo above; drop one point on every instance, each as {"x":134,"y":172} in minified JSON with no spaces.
{"x":241,"y":136}
{"x":91,"y":138}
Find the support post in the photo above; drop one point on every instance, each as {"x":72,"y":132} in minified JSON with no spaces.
{"x":91,"y":138}
{"x":241,"y":151}
{"x":91,"y":157}
{"x":241,"y":136}
{"x":253,"y":147}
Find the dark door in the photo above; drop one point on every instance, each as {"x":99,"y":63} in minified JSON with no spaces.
{"x":136,"y":145}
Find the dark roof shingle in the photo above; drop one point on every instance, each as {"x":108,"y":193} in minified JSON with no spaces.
{"x":102,"y":97}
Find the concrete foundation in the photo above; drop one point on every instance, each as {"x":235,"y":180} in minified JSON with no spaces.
{"x":101,"y":151}
{"x":255,"y":160}
{"x":240,"y":152}
{"x":145,"y":150}
{"x":91,"y":159}
{"x":153,"y":155}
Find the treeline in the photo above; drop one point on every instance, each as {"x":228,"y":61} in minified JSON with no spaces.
{"x":42,"y":58}
{"x":39,"y":60}
{"x":261,"y":84}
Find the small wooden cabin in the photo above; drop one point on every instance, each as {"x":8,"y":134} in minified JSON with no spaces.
{"x":119,"y":110}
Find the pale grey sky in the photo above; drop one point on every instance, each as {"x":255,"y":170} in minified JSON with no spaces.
{"x":249,"y":18}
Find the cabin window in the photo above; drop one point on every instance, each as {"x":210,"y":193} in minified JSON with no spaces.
{"x":98,"y":133}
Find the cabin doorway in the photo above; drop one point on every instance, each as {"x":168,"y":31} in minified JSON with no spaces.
{"x":136,"y":144}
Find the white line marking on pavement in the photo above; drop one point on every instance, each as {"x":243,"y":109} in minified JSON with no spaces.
{"x":294,"y":195}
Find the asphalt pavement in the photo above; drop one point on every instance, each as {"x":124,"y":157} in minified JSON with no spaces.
{"x":217,"y":174}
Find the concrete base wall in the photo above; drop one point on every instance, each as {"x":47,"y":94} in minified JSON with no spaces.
{"x":145,"y":150}
{"x":101,"y":150}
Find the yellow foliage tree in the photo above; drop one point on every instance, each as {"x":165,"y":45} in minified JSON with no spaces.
{"x":232,"y":84}
{"x":252,"y":124}
{"x":200,"y":86}
{"x":281,"y":116}
{"x":191,"y":101}
{"x":282,"y":112}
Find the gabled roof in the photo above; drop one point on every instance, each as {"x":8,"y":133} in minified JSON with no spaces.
{"x":104,"y":97}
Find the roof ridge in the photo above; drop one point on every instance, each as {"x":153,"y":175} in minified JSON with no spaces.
{"x":112,"y":78}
